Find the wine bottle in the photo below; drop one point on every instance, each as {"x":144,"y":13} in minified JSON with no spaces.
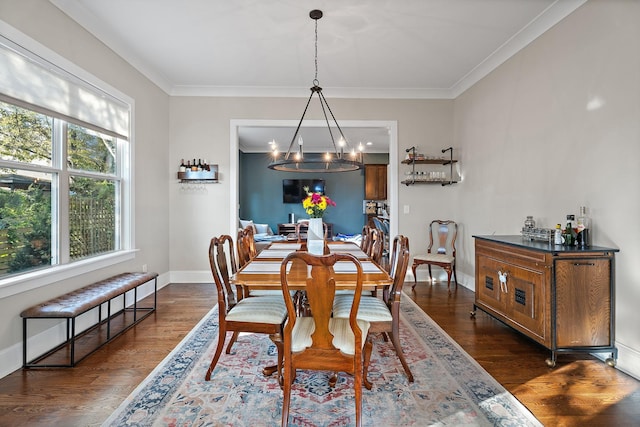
{"x":582,"y":237}
{"x":568,"y":232}
{"x":183,"y":168}
{"x":194,"y":166}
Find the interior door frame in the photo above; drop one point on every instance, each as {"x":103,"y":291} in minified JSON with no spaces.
{"x":234,"y":161}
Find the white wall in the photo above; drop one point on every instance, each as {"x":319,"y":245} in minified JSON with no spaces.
{"x":534,"y":143}
{"x":45,"y":23}
{"x":200,"y":128}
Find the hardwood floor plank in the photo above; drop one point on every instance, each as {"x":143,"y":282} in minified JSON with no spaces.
{"x":580,"y":391}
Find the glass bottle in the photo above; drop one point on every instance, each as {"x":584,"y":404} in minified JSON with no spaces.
{"x":569,"y":238}
{"x":529,"y":222}
{"x":557,"y":236}
{"x":583,"y":228}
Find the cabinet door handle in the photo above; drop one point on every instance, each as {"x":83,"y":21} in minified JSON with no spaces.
{"x":583,"y":263}
{"x":502,"y":277}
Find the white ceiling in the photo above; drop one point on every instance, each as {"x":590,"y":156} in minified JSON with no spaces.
{"x":366,"y":49}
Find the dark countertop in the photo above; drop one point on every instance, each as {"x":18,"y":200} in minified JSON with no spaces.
{"x":518,"y":240}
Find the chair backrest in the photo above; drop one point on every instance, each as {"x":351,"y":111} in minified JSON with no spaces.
{"x":221,"y":261}
{"x":246,"y":246}
{"x":399,"y":242}
{"x":399,"y":264}
{"x":377,"y":245}
{"x":367,"y":239}
{"x":442,"y":237}
{"x":320,"y":289}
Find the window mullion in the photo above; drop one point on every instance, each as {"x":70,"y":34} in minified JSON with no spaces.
{"x":61,"y":195}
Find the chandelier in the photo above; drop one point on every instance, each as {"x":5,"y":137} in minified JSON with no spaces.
{"x":341,"y":158}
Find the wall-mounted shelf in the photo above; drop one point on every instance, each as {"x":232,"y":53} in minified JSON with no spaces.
{"x":431,"y":177}
{"x":203,"y":176}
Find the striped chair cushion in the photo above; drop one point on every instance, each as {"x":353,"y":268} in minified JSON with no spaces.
{"x":270,"y":309}
{"x":371,"y":309}
{"x":343,"y":338}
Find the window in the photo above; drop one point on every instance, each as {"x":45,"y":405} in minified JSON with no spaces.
{"x":64,"y":176}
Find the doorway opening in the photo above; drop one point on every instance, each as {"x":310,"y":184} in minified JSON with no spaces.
{"x":269,"y":127}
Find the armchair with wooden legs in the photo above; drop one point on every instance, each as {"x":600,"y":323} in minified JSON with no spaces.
{"x":441,"y":251}
{"x":264,"y":315}
{"x":320,"y":341}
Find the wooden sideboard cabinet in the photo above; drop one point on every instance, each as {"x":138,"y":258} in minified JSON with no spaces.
{"x":561,"y":297}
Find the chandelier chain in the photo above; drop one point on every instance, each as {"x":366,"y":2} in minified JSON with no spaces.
{"x":315,"y":80}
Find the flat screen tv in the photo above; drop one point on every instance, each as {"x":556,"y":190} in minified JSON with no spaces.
{"x":293,"y":189}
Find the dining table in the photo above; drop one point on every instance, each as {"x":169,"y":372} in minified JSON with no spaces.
{"x":263,"y":271}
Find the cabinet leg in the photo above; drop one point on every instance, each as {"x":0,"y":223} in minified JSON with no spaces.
{"x":612,"y":361}
{"x":551,"y":362}
{"x":472,"y":313}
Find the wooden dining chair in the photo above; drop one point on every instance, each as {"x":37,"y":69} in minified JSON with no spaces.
{"x":367,"y":239}
{"x":441,"y":251}
{"x":246,"y":246}
{"x":383,"y":314}
{"x":320,"y":341}
{"x":376,"y":250}
{"x":264,"y":315}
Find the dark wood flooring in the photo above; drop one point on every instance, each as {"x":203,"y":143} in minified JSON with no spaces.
{"x":579,"y":391}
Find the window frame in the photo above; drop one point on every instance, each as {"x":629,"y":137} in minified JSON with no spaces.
{"x":66,"y":269}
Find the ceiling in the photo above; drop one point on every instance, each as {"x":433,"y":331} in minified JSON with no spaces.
{"x":366,"y":49}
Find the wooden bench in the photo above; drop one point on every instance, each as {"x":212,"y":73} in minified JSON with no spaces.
{"x":73,"y":304}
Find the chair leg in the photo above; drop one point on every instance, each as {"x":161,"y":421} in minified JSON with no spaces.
{"x":448,"y":277}
{"x":367,"y":359}
{"x":395,"y":339}
{"x":430,"y":275}
{"x":286,"y":395}
{"x":357,"y":376}
{"x":222,"y":336}
{"x":415,"y":278}
{"x":455,"y":276}
{"x":234,"y":338}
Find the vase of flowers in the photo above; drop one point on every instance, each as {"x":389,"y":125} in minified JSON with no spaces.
{"x":315,"y":204}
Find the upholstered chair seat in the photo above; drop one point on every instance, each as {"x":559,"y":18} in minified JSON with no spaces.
{"x":267,"y":309}
{"x":343,"y":338}
{"x":435,"y":258}
{"x":371,"y":309}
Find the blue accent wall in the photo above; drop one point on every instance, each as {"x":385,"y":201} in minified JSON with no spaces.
{"x":261,"y":195}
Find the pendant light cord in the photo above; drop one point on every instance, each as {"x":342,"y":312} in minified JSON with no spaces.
{"x":315,"y":80}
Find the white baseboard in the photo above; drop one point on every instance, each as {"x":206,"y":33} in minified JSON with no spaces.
{"x":628,"y":360}
{"x":11,"y":357}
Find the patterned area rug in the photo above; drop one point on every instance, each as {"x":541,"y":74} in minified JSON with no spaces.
{"x":450,"y":388}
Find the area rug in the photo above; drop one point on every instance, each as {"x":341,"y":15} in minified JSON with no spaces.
{"x":449,"y":388}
